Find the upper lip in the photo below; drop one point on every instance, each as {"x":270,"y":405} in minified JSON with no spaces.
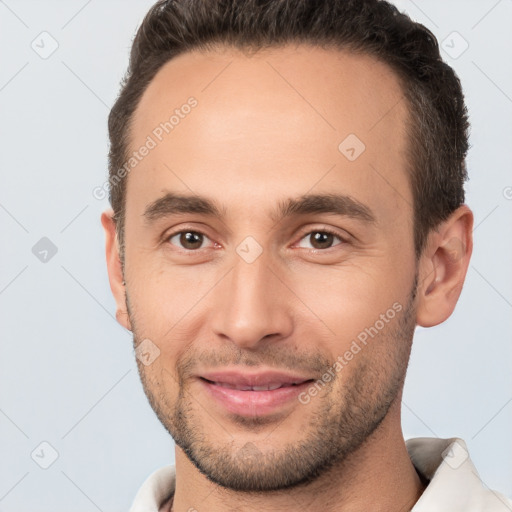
{"x":264,"y":378}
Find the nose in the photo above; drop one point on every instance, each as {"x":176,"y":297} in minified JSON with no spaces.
{"x":252,"y":305}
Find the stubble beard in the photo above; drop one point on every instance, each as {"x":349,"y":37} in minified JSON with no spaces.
{"x":343,"y":419}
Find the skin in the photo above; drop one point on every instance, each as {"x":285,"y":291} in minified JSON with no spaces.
{"x":267,"y":128}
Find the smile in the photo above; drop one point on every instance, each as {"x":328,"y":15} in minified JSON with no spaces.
{"x":256,"y":394}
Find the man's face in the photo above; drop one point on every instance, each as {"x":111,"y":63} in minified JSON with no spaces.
{"x":253,"y":291}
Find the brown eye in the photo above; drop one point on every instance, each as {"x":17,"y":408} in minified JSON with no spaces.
{"x":320,"y":239}
{"x":189,"y":240}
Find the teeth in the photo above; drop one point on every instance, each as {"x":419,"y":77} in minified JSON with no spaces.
{"x":266,"y":387}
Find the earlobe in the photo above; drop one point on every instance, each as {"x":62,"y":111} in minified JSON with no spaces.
{"x":114,"y":268}
{"x":123,"y":318}
{"x":443,"y":268}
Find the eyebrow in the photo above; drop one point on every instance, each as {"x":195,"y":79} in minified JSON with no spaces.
{"x":336,"y":204}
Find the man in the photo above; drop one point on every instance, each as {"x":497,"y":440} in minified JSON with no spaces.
{"x":287,"y":205}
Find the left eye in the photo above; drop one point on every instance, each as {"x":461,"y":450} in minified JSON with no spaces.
{"x":321,"y":239}
{"x":189,"y":240}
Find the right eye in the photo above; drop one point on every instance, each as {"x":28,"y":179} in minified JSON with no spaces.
{"x":189,"y":240}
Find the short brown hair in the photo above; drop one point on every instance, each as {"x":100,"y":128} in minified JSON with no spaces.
{"x":438,"y":122}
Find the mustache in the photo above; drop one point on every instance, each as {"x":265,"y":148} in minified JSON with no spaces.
{"x":272,"y":356}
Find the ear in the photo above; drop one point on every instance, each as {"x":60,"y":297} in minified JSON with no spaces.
{"x":443,"y":267}
{"x":114,"y":267}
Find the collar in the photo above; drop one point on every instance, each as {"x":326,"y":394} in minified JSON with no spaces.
{"x":454,"y":483}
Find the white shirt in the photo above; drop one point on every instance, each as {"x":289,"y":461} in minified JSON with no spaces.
{"x":454,"y":484}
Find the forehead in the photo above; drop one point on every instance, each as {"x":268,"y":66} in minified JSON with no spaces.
{"x":279,"y":120}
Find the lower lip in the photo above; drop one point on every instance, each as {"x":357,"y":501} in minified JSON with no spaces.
{"x":253,"y":403}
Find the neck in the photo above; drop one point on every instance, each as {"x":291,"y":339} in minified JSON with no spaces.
{"x":379,"y":476}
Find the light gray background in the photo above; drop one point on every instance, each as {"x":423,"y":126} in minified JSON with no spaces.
{"x":67,"y":369}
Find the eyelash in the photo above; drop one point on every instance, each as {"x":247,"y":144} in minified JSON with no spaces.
{"x":325,"y":230}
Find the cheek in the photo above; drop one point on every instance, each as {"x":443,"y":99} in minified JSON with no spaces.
{"x":161,"y":295}
{"x":348,"y":299}
{"x":169,"y":309}
{"x":160,"y":386}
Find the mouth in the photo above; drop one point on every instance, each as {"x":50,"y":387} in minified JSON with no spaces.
{"x":254,"y":394}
